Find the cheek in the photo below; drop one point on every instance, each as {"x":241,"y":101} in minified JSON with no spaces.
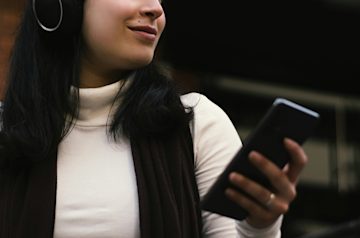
{"x":105,"y":19}
{"x":161,"y":22}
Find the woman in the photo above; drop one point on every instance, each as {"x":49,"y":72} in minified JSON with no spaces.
{"x":95,"y":141}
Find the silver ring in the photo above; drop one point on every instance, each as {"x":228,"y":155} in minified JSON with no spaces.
{"x":271,"y":200}
{"x":44,"y":27}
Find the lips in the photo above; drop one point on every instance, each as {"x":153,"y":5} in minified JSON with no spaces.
{"x":146,"y":29}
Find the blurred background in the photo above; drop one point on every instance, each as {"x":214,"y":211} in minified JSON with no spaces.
{"x":242,"y":55}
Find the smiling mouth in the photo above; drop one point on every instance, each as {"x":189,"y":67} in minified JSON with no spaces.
{"x":145,"y":29}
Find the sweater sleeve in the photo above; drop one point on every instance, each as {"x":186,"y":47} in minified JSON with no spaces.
{"x":216,"y":141}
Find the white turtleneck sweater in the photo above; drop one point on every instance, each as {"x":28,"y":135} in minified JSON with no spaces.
{"x":96,"y":184}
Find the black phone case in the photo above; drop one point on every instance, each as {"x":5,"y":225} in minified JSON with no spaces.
{"x":279,"y":122}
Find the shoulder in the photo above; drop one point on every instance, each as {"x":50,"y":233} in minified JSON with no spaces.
{"x":212,"y":130}
{"x":203,"y":107}
{"x":206,"y":112}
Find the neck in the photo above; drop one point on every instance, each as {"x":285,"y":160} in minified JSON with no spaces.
{"x":94,"y":76}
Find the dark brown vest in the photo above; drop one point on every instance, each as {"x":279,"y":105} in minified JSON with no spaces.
{"x":168,"y":194}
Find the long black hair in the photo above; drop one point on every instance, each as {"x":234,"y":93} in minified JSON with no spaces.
{"x":38,"y":104}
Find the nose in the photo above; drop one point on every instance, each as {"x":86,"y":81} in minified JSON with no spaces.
{"x":151,"y":9}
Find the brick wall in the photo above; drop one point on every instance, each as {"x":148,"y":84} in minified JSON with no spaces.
{"x":10,"y":12}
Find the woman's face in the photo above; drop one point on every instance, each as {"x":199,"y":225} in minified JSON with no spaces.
{"x":121,"y":34}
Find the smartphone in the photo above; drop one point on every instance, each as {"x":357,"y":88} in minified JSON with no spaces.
{"x":283,"y":119}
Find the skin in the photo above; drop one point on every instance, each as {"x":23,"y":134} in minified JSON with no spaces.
{"x":110,"y":50}
{"x":283,"y":186}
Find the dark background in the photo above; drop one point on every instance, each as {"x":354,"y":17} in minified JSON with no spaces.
{"x":307,"y":43}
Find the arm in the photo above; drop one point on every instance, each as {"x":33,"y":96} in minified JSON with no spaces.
{"x":215,"y":143}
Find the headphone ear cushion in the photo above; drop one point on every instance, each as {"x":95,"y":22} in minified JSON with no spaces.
{"x":61,"y":16}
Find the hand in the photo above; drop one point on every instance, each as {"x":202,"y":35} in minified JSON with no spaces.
{"x":283,"y":186}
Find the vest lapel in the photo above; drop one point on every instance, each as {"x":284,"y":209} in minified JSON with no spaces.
{"x":168,"y":194}
{"x":32,"y":201}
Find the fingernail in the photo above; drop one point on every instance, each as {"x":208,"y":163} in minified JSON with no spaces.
{"x":229,"y":192}
{"x":234,"y":177}
{"x":289,"y":142}
{"x":254,"y":157}
{"x":231,"y":176}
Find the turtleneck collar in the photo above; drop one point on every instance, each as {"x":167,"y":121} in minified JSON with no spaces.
{"x":96,"y":103}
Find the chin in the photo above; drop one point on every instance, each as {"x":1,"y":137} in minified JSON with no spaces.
{"x":140,"y":62}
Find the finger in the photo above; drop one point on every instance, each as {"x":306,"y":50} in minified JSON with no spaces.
{"x":258,"y":212}
{"x":286,"y":168}
{"x":254,"y":189}
{"x":277,"y":177}
{"x":298,"y":159}
{"x":248,"y":204}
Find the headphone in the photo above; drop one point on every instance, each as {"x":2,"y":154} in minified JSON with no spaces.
{"x":60,"y":16}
